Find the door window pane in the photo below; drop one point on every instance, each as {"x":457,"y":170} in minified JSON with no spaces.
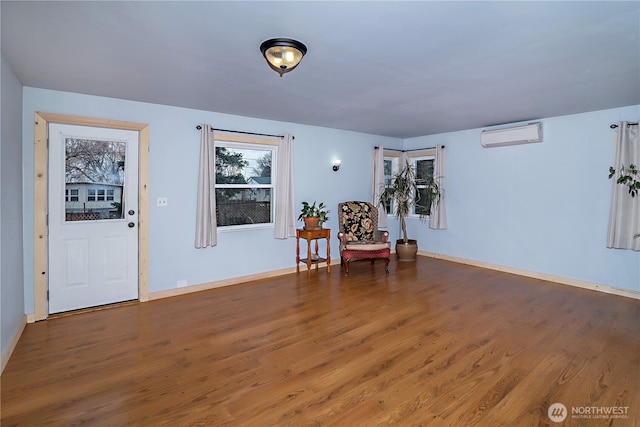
{"x":94,"y":179}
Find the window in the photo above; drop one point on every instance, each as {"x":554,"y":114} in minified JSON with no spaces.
{"x":100,"y":195}
{"x":245,"y":183}
{"x":92,"y":194}
{"x":71,"y":195}
{"x":391,"y":165}
{"x":423,"y":166}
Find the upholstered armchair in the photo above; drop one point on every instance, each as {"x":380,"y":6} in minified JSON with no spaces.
{"x":359,"y":235}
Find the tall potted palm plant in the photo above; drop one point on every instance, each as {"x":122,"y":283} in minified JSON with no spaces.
{"x":409,"y":194}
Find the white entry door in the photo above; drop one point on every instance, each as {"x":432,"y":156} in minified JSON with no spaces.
{"x":93,"y":216}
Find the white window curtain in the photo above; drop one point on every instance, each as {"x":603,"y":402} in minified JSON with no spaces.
{"x":378,"y":185}
{"x":624,"y":215}
{"x":438,"y":215}
{"x":285,"y":203}
{"x":206,"y":233}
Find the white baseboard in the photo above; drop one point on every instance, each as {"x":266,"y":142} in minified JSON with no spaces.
{"x":234,"y":281}
{"x":542,"y":276}
{"x":336,"y":261}
{"x":6,"y":354}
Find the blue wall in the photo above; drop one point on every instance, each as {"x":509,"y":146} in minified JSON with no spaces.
{"x":540,"y":207}
{"x":173,"y":167}
{"x":12,"y":280}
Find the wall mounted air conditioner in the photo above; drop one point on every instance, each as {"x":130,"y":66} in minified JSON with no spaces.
{"x":512,"y":135}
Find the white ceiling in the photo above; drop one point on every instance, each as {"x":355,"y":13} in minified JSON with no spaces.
{"x":400,"y":69}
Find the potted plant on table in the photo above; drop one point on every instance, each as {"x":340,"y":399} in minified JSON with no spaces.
{"x":408,"y":194}
{"x":313,"y":216}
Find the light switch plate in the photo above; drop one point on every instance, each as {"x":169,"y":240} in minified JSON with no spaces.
{"x":162,"y":201}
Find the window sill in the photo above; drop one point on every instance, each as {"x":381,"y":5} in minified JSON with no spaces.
{"x":245,"y":227}
{"x":408,"y":217}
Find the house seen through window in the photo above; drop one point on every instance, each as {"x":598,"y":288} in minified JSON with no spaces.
{"x":245,"y":183}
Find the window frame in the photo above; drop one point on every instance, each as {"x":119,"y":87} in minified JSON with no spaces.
{"x":250,"y":143}
{"x":96,"y":194}
{"x":395,"y":157}
{"x":92,"y":195}
{"x":71,"y":195}
{"x":413,"y":158}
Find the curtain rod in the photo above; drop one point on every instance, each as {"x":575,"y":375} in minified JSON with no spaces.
{"x":405,"y":151}
{"x":613,"y":126}
{"x":246,"y":133}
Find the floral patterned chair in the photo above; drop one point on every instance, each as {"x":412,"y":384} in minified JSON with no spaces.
{"x":359,"y":235}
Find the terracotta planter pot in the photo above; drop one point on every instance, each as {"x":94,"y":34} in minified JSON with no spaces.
{"x":312,"y":223}
{"x":406,"y":251}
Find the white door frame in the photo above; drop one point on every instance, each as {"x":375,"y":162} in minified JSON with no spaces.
{"x":40,"y":232}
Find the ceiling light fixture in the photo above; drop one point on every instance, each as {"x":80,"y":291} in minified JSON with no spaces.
{"x":283,"y":55}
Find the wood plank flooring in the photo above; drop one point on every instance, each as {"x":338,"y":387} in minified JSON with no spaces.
{"x":434,"y":343}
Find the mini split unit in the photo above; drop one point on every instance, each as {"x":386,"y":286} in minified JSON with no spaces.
{"x":513,"y":135}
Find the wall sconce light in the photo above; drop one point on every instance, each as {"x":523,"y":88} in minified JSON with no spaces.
{"x":336,"y":165}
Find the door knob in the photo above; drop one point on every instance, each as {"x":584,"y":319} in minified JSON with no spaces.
{"x":131,"y":225}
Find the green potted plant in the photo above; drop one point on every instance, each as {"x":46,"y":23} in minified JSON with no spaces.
{"x":313,"y":216}
{"x":408,"y":194}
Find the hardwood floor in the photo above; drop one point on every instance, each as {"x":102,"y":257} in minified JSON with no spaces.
{"x":433,"y":343}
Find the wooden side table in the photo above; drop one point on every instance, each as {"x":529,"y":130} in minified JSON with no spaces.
{"x":309,"y":235}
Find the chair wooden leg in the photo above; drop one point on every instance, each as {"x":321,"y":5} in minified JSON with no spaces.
{"x":386,"y":265}
{"x":346,"y":267}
